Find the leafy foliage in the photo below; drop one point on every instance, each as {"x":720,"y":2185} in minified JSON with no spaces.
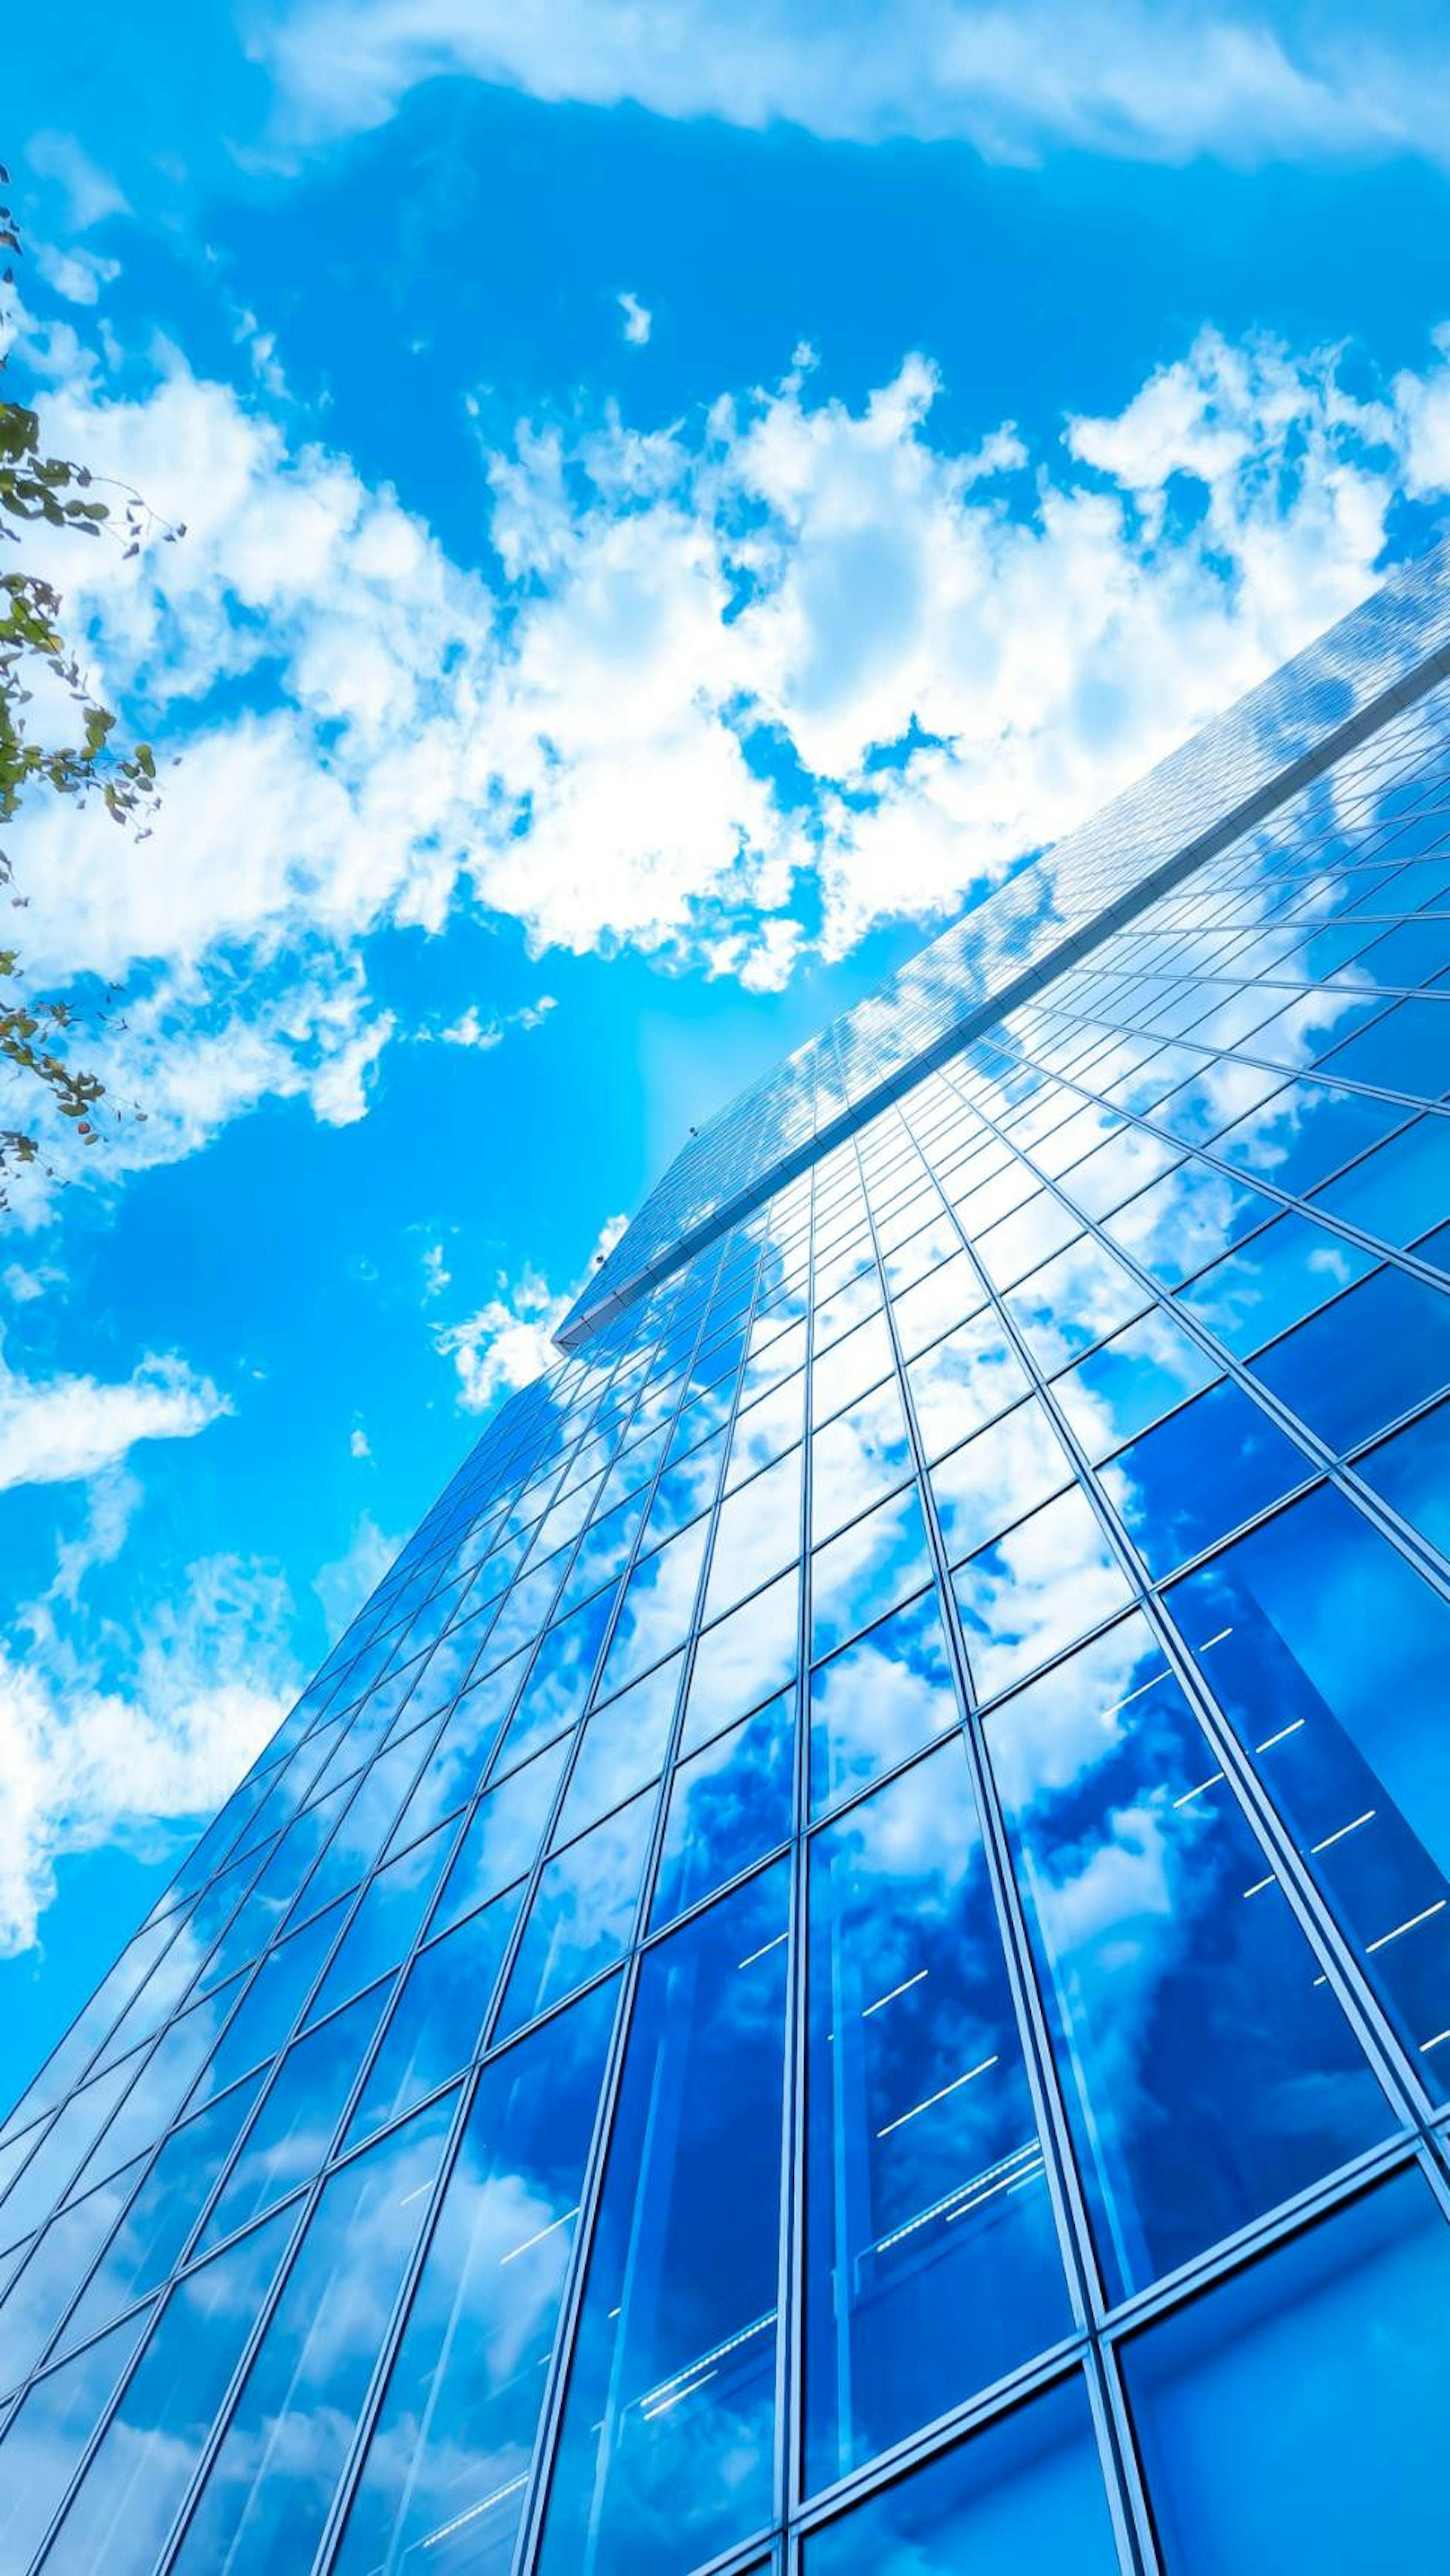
{"x":49,"y":491}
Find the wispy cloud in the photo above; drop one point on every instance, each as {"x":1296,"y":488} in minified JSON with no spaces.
{"x":485,"y":1030}
{"x":60,"y":1429}
{"x":638,"y":319}
{"x":509,"y":1340}
{"x":1129,"y":81}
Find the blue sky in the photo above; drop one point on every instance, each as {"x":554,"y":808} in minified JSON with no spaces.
{"x":678,"y":499}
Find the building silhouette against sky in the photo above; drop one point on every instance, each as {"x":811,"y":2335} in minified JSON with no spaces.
{"x":848,"y":1967}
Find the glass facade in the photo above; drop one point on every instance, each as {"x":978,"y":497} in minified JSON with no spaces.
{"x":848,"y":1967}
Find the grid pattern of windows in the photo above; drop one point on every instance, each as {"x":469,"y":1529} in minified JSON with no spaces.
{"x":849,"y":1964}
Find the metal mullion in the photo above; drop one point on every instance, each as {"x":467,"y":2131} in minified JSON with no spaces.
{"x":1080,"y":2263}
{"x":1127,"y":2505}
{"x":313,"y":2191}
{"x":556,"y":2384}
{"x":1329,"y":1461}
{"x":1353,"y":1989}
{"x":791,"y":2299}
{"x":402,"y":2305}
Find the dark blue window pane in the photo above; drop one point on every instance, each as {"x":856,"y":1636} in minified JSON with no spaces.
{"x":1328,"y":1655}
{"x":1407,"y":1050}
{"x":1363,"y":1360}
{"x":265,"y":2497}
{"x":293,"y":2130}
{"x":1208,"y":2073}
{"x":1283,"y":1275}
{"x":160,"y":2219}
{"x":558,"y":1684}
{"x":582,"y":1913}
{"x":501,"y":1839}
{"x":47,"y":2434}
{"x":879,"y":1700}
{"x":1050,"y":1578}
{"x":442,"y":2483}
{"x":45,"y":2283}
{"x":1023,"y":2498}
{"x":623,"y":1747}
{"x":1140,"y":1374}
{"x":1295,"y":2417}
{"x":383,"y":1928}
{"x":743,"y":1661}
{"x":140,"y":2471}
{"x":729,"y":1805}
{"x":997,"y":1478}
{"x":438,"y":2020}
{"x":858,"y":1577}
{"x":1403,"y":1190}
{"x":666,"y":2445}
{"x":1200,"y":1474}
{"x":1412,"y":1472}
{"x":931,"y":2254}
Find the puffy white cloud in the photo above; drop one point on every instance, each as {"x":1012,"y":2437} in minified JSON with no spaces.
{"x":1129,"y":81}
{"x":78,"y":275}
{"x":509,"y":1340}
{"x":358,"y":1445}
{"x":738,"y":691}
{"x":55,"y":1430}
{"x":95,"y":1750}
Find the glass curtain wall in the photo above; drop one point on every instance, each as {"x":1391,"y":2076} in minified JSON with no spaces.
{"x":849,"y":1964}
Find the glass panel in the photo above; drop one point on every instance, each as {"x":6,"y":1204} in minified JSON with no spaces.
{"x":964,"y":1381}
{"x":879,"y":1700}
{"x":997,"y":1478}
{"x":931,"y":2254}
{"x":1362,"y":1361}
{"x":558,"y":1684}
{"x":1327,"y":1654}
{"x":867,"y":1571}
{"x":1319,"y":2373}
{"x":859,"y":1457}
{"x":1076,"y":1299}
{"x":47,"y":2434}
{"x":729,"y":1805}
{"x":1133,"y":1379}
{"x":266,"y":2495}
{"x":45,"y":2284}
{"x":439,"y":2017}
{"x":1025,"y":2497}
{"x":502,"y":1837}
{"x":160,"y":2219}
{"x":743,"y":1661}
{"x":1215,"y":1464}
{"x":1208,"y":2071}
{"x":623,"y":1747}
{"x":294,"y":2128}
{"x":658,"y":1606}
{"x":1412,"y":1473}
{"x":665,"y":2449}
{"x":582,"y":1913}
{"x":124,"y":2506}
{"x":852,"y":1365}
{"x":443,"y":2478}
{"x":940,"y":1300}
{"x":382,"y":1930}
{"x":769,"y":1428}
{"x":758,"y":1532}
{"x":1281,"y":1276}
{"x":1044,"y":1583}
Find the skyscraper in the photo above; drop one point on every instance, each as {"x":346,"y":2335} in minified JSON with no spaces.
{"x":846,"y":1968}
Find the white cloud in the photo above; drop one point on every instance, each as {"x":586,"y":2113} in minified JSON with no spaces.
{"x":55,"y":1430}
{"x":94,"y":1751}
{"x":90,"y":193}
{"x":358,"y":1445}
{"x":78,"y":275}
{"x":23,"y":1286}
{"x":509,"y":1340}
{"x":955,"y":659}
{"x":1129,"y":81}
{"x":638,"y":319}
{"x":485,"y":1031}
